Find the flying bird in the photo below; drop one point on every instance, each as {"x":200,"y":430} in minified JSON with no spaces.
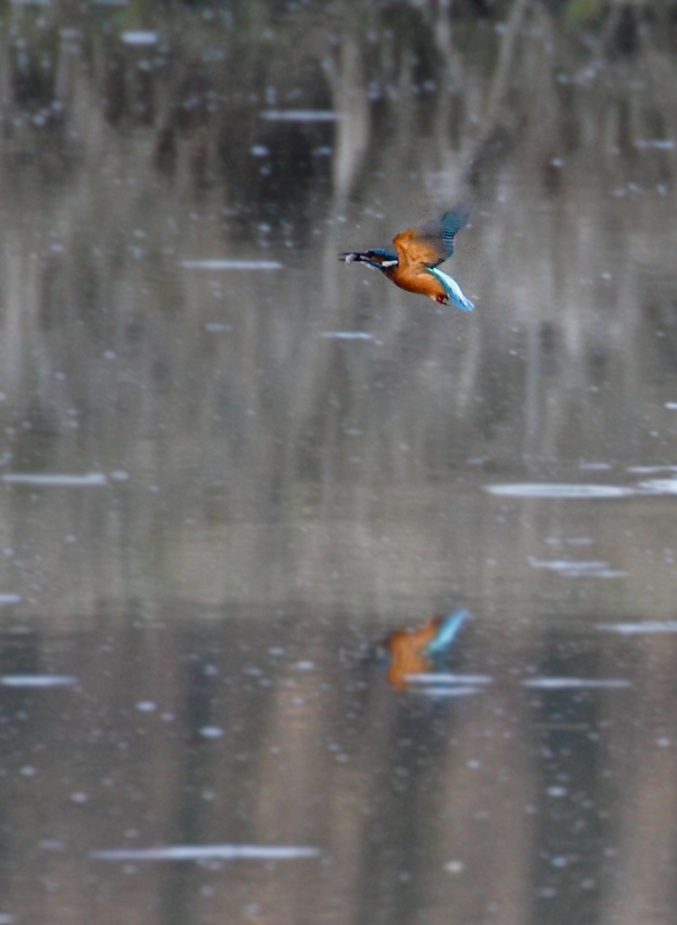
{"x":419,"y":251}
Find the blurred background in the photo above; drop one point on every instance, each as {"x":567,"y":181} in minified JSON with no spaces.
{"x":231,"y":466}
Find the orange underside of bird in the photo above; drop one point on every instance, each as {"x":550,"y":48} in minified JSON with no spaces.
{"x":419,"y":281}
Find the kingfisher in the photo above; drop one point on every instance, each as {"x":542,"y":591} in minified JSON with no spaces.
{"x":418,"y":252}
{"x":412,"y":651}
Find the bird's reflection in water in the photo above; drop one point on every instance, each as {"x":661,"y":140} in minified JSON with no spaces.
{"x":422,"y":649}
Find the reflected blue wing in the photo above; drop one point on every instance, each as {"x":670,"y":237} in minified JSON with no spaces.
{"x":447,"y":632}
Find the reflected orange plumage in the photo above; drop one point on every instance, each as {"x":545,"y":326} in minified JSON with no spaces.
{"x":408,"y":651}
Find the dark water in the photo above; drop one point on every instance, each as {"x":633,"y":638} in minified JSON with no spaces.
{"x":232,"y":466}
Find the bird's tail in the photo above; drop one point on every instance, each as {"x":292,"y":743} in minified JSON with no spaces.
{"x":453,"y":290}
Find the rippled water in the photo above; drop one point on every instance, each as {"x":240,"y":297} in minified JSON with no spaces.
{"x":238,"y":477}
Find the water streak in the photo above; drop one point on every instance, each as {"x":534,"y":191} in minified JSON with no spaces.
{"x":556,"y":684}
{"x":37,"y":680}
{"x":660,"y":144}
{"x":633,"y":629}
{"x":440,"y":677}
{"x":216,"y":264}
{"x":445,"y":691}
{"x":348,"y":335}
{"x":300,"y":115}
{"x":559,"y":490}
{"x":573,"y":568}
{"x":55,"y":479}
{"x":207,"y":852}
{"x":660,"y":486}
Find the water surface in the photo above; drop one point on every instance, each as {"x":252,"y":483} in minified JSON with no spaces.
{"x":232,"y":467}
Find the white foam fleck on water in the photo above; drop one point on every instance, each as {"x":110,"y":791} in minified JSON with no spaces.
{"x":635,"y":629}
{"x":216,"y":326}
{"x":56,"y":480}
{"x":648,"y":470}
{"x":231,"y":264}
{"x":305,"y":665}
{"x":671,"y":405}
{"x":576,"y":683}
{"x":204,"y":852}
{"x":37,"y":680}
{"x":139,"y":38}
{"x":9,"y":598}
{"x":49,"y":844}
{"x":300,"y":115}
{"x":211,"y":732}
{"x":146,"y":706}
{"x":567,"y":490}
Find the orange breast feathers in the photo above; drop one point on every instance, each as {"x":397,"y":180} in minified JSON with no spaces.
{"x":414,"y":256}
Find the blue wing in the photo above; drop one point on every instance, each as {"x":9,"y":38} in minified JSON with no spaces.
{"x":447,"y":632}
{"x":439,"y":234}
